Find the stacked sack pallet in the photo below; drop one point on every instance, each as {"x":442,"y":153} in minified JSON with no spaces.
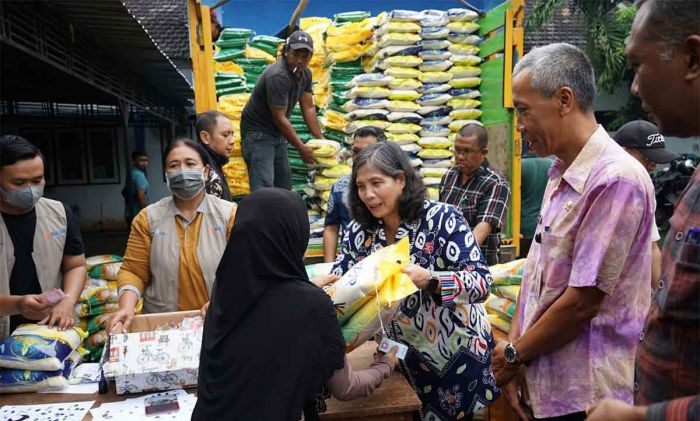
{"x":98,"y":301}
{"x":235,"y":169}
{"x":229,"y":77}
{"x":320,"y":70}
{"x":421,"y":85}
{"x":326,"y":172}
{"x":505,"y":288}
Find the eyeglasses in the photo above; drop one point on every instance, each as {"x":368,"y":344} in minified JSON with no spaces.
{"x":466,"y":152}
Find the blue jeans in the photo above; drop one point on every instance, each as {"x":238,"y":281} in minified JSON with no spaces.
{"x":267,"y":160}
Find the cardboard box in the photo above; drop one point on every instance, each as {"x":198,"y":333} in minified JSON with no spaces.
{"x":146,"y":359}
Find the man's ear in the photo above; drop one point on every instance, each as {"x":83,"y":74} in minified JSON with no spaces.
{"x":692,"y":52}
{"x":205,"y":136}
{"x":566,"y":100}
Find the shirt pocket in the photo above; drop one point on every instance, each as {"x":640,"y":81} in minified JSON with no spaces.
{"x":689,"y":257}
{"x":556,"y":265}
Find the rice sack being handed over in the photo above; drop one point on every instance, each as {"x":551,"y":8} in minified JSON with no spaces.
{"x":21,"y":381}
{"x":370,"y":292}
{"x":39,"y":348}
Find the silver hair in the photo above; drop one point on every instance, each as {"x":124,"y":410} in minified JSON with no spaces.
{"x":671,"y":21}
{"x":555,"y":66}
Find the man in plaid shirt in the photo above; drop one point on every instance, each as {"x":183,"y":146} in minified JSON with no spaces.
{"x":664,"y":49}
{"x":479,"y":191}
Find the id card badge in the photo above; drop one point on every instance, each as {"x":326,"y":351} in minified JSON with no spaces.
{"x":387,"y":344}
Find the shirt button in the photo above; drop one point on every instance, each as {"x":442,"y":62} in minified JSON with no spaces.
{"x":661,"y":283}
{"x":641,"y":336}
{"x":679,"y":235}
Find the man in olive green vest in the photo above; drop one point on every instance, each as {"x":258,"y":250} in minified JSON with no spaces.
{"x":40,"y":244}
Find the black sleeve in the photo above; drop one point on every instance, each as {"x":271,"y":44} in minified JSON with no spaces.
{"x":278,"y":90}
{"x":74,"y":241}
{"x":309,"y":81}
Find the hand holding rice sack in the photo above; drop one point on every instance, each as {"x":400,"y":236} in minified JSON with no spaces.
{"x":444,"y":323}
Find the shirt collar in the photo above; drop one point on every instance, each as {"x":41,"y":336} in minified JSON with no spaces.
{"x":200,"y":209}
{"x":579,"y":170}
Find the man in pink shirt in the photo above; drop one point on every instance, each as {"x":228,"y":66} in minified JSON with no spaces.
{"x":585,"y":289}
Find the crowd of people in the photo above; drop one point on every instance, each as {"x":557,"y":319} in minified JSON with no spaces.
{"x":607,"y":324}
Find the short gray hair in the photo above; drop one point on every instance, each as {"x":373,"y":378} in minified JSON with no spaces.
{"x":672,"y":21}
{"x":555,"y":66}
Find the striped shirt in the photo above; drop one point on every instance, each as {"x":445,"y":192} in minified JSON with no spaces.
{"x":667,"y":375}
{"x":484,"y":198}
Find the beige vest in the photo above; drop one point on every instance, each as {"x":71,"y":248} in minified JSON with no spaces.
{"x":49,"y":241}
{"x":161,"y":295}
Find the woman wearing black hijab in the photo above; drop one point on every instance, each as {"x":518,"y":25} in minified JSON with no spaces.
{"x":271,"y":338}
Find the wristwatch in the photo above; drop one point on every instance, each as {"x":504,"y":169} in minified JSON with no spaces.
{"x":434,"y":282}
{"x":510,"y":354}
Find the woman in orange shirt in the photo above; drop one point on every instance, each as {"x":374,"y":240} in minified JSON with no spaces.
{"x":175,"y":244}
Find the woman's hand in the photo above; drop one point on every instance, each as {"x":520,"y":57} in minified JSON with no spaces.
{"x":391,"y":356}
{"x":120,"y":321}
{"x":60,"y":315}
{"x":203,"y":311}
{"x":419,"y":276}
{"x":33,"y":307}
{"x":324,"y":280}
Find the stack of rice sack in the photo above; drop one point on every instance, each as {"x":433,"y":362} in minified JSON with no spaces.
{"x":326,"y":172}
{"x":229,"y":77}
{"x":300,"y":171}
{"x":36,"y":357}
{"x":369,"y":294}
{"x":348,"y":39}
{"x":235,"y":170}
{"x":320,"y":70}
{"x":505,"y":287}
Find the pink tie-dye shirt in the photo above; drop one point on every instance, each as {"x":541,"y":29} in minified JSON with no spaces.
{"x":595,"y":231}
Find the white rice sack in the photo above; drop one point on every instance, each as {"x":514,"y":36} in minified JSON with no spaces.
{"x":432,"y":17}
{"x":398,"y":50}
{"x":324,"y":148}
{"x":463,"y":39}
{"x":403,"y":106}
{"x":433,"y":111}
{"x":431,"y":181}
{"x":357,"y":124}
{"x":466,"y":114}
{"x":435,"y":154}
{"x":435,"y":44}
{"x":435,"y":66}
{"x":400,"y":117}
{"x":456,"y":125}
{"x":433,"y":99}
{"x":368,"y":114}
{"x":463,"y":27}
{"x":464,"y":93}
{"x":464,"y":49}
{"x":435,"y":77}
{"x":458,"y":103}
{"x":435,"y":88}
{"x":404,"y":16}
{"x":405,"y":84}
{"x":434,"y":131}
{"x":411,"y":148}
{"x":436,"y":121}
{"x":362,"y":103}
{"x":465,"y":82}
{"x":400,"y":27}
{"x":416,"y":162}
{"x":431,"y":55}
{"x":403,"y":95}
{"x":434,"y":172}
{"x":369,"y":92}
{"x":434,"y":32}
{"x":465,"y":60}
{"x":461,"y":15}
{"x":23,"y":381}
{"x":435,"y":143}
{"x":437,"y":163}
{"x":394,"y":38}
{"x":39,"y":348}
{"x":401,"y":61}
{"x":371,"y":79}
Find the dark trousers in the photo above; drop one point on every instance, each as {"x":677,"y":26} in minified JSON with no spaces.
{"x":267,"y":160}
{"x":577,"y":416}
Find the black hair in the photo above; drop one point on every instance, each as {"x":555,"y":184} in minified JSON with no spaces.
{"x":370,"y":131}
{"x":389,"y":159}
{"x":206,"y":122}
{"x":477,"y":130}
{"x":15,"y":148}
{"x":137,"y":154}
{"x":183,"y":141}
{"x":672,"y":21}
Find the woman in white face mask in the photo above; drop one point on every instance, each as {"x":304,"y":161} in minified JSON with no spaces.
{"x":176,"y":243}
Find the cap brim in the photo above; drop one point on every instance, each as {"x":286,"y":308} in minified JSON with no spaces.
{"x":301,"y":46}
{"x":659,"y":155}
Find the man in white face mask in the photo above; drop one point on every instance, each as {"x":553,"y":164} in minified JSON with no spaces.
{"x":40,"y":244}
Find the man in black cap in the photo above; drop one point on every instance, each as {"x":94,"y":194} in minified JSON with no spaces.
{"x":265,"y":121}
{"x":642,"y":140}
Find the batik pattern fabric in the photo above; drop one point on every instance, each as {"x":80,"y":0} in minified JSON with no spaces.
{"x":448,"y":333}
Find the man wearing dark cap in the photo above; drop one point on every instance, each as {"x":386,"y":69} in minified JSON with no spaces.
{"x":642,"y":140}
{"x":265,"y":121}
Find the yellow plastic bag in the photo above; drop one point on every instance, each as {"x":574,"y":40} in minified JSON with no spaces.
{"x":323,"y":148}
{"x":337,"y":171}
{"x":323,"y":183}
{"x":228,"y":67}
{"x":371,"y":289}
{"x":307,"y":24}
